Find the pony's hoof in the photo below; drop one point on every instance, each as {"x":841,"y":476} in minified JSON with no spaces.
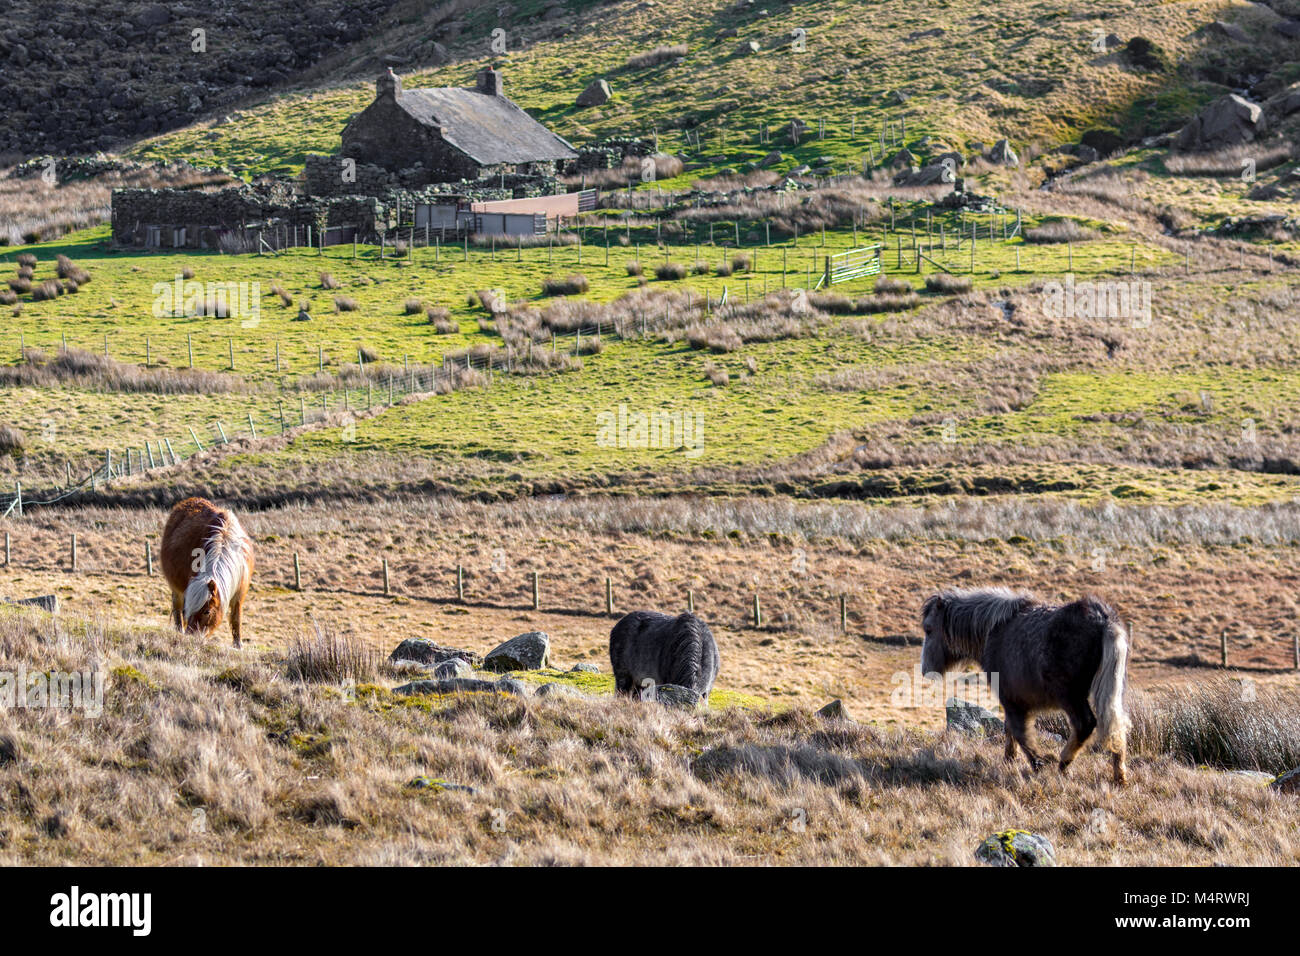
{"x":1065,"y":767}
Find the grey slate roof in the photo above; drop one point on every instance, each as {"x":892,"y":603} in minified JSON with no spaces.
{"x":489,"y":129}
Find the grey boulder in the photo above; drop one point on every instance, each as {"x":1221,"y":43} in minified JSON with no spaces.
{"x":424,"y":651}
{"x":967,"y":718}
{"x":1016,"y":848}
{"x":525,"y":652}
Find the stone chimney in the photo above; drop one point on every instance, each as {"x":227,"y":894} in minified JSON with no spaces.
{"x":389,"y":84}
{"x":491,"y":82}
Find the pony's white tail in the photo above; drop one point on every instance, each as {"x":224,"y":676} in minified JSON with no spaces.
{"x":1107,"y":692}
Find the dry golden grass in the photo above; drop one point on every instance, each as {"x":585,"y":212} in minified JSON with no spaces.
{"x":207,"y":755}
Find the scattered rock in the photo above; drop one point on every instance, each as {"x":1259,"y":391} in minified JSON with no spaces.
{"x":454,"y":685}
{"x":967,"y":718}
{"x":553,"y":688}
{"x":596,"y":94}
{"x":923,"y":34}
{"x":526,"y":652}
{"x":1003,"y":154}
{"x":675,"y":695}
{"x":437,"y":785}
{"x":509,"y":685}
{"x":583,"y":667}
{"x":1288,"y":28}
{"x":1288,"y":101}
{"x":925,"y":176}
{"x":1228,"y":121}
{"x":424,"y":651}
{"x":1289,"y":782}
{"x":454,"y":667}
{"x":748,"y":47}
{"x":1257,"y":777}
{"x":834,"y":711}
{"x":903,"y":159}
{"x":1229,"y":30}
{"x":1086,"y":154}
{"x":1016,"y":848}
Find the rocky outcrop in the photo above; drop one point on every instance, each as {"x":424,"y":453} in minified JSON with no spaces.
{"x":1003,"y":154}
{"x":1228,"y":121}
{"x":596,"y":94}
{"x":1016,"y":848}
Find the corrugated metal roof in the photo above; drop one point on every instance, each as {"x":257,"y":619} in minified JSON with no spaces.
{"x":489,"y":129}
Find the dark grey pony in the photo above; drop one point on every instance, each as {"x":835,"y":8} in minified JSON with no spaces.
{"x":648,"y":646}
{"x":1072,"y":657}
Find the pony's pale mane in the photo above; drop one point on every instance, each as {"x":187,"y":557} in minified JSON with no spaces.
{"x":970,"y":616}
{"x":223,"y":563}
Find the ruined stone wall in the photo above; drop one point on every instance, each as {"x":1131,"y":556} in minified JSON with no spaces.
{"x":205,"y":215}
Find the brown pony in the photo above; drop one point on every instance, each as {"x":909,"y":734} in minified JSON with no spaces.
{"x":208,"y":561}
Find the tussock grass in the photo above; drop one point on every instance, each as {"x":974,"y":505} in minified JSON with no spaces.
{"x":570,"y":285}
{"x":326,"y":655}
{"x":660,"y":54}
{"x":946,"y":284}
{"x":11,"y":440}
{"x":1060,"y":230}
{"x":79,"y":368}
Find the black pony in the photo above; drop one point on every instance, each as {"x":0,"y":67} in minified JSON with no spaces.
{"x":1041,"y":657}
{"x":647,"y":648}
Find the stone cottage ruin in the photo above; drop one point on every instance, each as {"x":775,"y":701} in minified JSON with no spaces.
{"x":451,"y":161}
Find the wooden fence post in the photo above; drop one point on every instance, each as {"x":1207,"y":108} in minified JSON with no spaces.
{"x":460,"y":584}
{"x":609,"y":597}
{"x":844,"y":615}
{"x":1223,"y":647}
{"x":74,"y":552}
{"x":386,"y":590}
{"x":537,"y":594}
{"x":690,"y":600}
{"x":758,"y":612}
{"x":297,"y":573}
{"x":8,"y":552}
{"x":148,"y":557}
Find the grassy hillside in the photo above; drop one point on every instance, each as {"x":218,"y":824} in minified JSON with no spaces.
{"x":1025,"y":70}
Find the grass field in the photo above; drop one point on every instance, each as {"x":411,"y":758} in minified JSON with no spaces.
{"x":950,"y":424}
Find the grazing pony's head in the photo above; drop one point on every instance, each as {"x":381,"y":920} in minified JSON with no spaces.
{"x":934,"y":650}
{"x":220,"y":573}
{"x":203,"y":607}
{"x":958,"y":623}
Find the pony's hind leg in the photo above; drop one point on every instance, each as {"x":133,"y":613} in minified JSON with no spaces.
{"x":1119,"y":768}
{"x":1082,"y":724}
{"x":178,"y":605}
{"x":1015,"y":729}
